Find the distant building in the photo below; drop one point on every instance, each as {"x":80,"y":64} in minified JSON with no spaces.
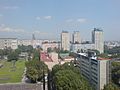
{"x":27,"y":42}
{"x":64,"y":57}
{"x":76,"y":37}
{"x":65,"y":40}
{"x":111,"y":44}
{"x":50,"y":59}
{"x":52,"y":45}
{"x":24,"y":42}
{"x":96,"y":70}
{"x":85,"y":46}
{"x":97,"y":39}
{"x":8,"y":43}
{"x":33,"y":41}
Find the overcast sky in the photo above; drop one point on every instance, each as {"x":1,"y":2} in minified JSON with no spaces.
{"x":47,"y":18}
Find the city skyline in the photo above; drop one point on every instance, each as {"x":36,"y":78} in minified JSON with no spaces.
{"x":46,"y":19}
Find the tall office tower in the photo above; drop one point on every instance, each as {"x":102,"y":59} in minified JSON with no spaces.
{"x":33,"y":41}
{"x":97,"y":39}
{"x":33,"y":37}
{"x":76,"y":37}
{"x":65,"y":40}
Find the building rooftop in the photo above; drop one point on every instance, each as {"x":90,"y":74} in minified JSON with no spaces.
{"x":8,"y":38}
{"x":45,"y":57}
{"x":97,"y":29}
{"x":99,"y":58}
{"x":64,"y":31}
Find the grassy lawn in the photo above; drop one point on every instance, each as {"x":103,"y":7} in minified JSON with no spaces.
{"x":10,"y":74}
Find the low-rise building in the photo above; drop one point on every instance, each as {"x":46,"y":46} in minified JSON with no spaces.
{"x":25,"y":42}
{"x":52,"y":45}
{"x":85,"y":46}
{"x":50,"y":59}
{"x":64,"y":57}
{"x":8,"y":43}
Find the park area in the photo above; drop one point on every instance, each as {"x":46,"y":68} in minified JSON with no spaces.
{"x":11,"y":72}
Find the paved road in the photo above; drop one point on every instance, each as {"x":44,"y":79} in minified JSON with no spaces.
{"x":21,"y":87}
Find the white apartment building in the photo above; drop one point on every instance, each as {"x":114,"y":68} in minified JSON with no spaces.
{"x":65,"y":40}
{"x":25,"y":42}
{"x":8,"y":43}
{"x":95,"y":70}
{"x":78,"y":47}
{"x":97,"y":39}
{"x":76,"y":37}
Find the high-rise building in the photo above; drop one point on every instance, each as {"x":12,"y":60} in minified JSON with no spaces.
{"x":97,"y":39}
{"x":65,"y":40}
{"x":33,"y":41}
{"x":33,"y":37}
{"x":76,"y":37}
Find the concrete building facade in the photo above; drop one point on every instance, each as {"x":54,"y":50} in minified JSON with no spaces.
{"x":76,"y":37}
{"x":65,"y":40}
{"x":78,"y":47}
{"x":95,"y":70}
{"x":97,"y":39}
{"x":8,"y":43}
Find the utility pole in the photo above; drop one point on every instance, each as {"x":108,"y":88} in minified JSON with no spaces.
{"x":43,"y":79}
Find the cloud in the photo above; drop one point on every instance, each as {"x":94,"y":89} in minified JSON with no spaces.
{"x":47,"y":17}
{"x":71,"y":24}
{"x":81,"y":20}
{"x":10,"y":7}
{"x":44,"y":17}
{"x":42,"y":33}
{"x":38,"y":18}
{"x":4,"y":28}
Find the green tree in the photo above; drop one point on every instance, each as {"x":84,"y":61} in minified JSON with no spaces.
{"x":36,"y":54}
{"x":37,"y":67}
{"x":104,"y":55}
{"x":111,"y":86}
{"x":49,"y":50}
{"x":1,"y":54}
{"x":116,"y":72}
{"x":68,"y":77}
{"x":7,"y":51}
{"x":13,"y":56}
{"x":32,"y":74}
{"x":67,"y":80}
{"x":24,"y":48}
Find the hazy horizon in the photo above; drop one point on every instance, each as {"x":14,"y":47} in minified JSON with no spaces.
{"x":47,"y":18}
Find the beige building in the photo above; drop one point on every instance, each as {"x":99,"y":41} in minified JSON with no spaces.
{"x":52,"y":45}
{"x":8,"y":43}
{"x":65,"y":40}
{"x":97,"y":39}
{"x":76,"y":37}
